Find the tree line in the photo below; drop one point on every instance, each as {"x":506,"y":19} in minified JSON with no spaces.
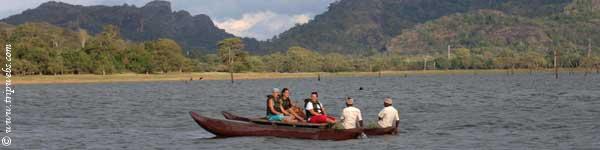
{"x":41,"y":48}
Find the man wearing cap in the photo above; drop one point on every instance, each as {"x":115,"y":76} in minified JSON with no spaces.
{"x":274,"y":112}
{"x":388,"y":115}
{"x":351,"y":115}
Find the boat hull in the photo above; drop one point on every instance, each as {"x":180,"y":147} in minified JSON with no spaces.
{"x":226,"y":128}
{"x":379,"y":131}
{"x":230,"y":116}
{"x":369,"y":132}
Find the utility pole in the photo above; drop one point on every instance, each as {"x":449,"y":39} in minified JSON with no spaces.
{"x":384,"y":62}
{"x":556,"y":63}
{"x":589,"y":52}
{"x":588,"y":60}
{"x":230,"y":65}
{"x":448,"y":60}
{"x":424,"y":63}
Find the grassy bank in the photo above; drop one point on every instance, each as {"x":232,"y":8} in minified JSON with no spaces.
{"x":131,"y":77}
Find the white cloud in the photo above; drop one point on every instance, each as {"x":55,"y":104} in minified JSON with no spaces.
{"x":261,"y":25}
{"x":302,"y":19}
{"x":247,"y":21}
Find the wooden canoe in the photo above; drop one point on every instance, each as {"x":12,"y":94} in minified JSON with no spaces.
{"x":379,"y":131}
{"x":369,"y":132}
{"x":226,"y":128}
{"x":264,"y":121}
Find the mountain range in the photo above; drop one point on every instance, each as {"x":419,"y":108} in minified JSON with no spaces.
{"x":356,"y":26}
{"x":154,"y":20}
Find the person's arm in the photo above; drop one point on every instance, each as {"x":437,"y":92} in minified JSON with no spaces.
{"x":360,"y":120}
{"x":272,"y":108}
{"x":344,"y":112}
{"x":397,"y":123}
{"x":293,"y":103}
{"x":291,"y":110}
{"x":310,"y":109}
{"x":297,"y":116}
{"x":323,"y":109}
{"x":313,"y":112}
{"x":283,"y":110}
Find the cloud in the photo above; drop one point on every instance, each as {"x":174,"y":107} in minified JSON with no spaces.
{"x":301,"y":19}
{"x":261,"y":25}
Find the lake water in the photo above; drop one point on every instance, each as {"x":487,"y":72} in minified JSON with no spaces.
{"x":437,"y":112}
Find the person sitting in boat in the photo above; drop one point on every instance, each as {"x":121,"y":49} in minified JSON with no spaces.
{"x":388,"y":115}
{"x":287,"y":107}
{"x":315,"y":112}
{"x":351,"y":115}
{"x":274,"y":106}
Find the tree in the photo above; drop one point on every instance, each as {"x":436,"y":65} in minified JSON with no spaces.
{"x":442,"y":62}
{"x":83,"y":37}
{"x":232,"y":54}
{"x":167,"y":55}
{"x":77,"y":61}
{"x":301,"y":59}
{"x":139,"y":60}
{"x":26,"y":67}
{"x":55,"y":64}
{"x":107,"y":50}
{"x":255,"y":64}
{"x":212,"y":62}
{"x":274,"y":62}
{"x":335,"y":62}
{"x":103,"y":64}
{"x":505,"y":59}
{"x":462,"y":58}
{"x":379,"y":62}
{"x":532,"y":59}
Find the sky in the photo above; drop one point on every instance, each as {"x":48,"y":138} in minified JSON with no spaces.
{"x":260,"y":19}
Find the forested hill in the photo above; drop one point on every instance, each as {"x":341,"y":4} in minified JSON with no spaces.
{"x":573,"y":29}
{"x":348,"y":27}
{"x":353,"y":35}
{"x":150,"y":22}
{"x":364,"y":26}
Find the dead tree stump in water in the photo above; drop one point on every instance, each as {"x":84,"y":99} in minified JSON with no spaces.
{"x":319,"y":77}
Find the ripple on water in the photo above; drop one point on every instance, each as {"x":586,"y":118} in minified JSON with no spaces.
{"x":437,"y":112}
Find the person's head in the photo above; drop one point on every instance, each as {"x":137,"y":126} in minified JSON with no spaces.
{"x":387,"y":102}
{"x":349,"y":101}
{"x":275,"y":92}
{"x":285,"y":92}
{"x":314,"y":96}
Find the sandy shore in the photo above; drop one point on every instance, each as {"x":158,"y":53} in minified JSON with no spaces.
{"x":132,"y":77}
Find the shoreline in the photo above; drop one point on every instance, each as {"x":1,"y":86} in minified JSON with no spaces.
{"x":188,"y":76}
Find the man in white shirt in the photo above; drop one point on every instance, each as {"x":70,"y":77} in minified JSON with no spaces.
{"x":388,"y":115}
{"x":315,"y":112}
{"x":351,"y":115}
